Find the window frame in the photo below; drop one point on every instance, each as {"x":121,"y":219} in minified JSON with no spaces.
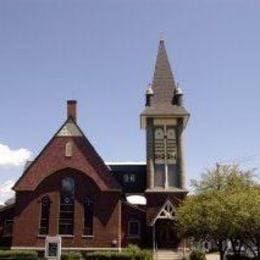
{"x":88,"y":203}
{"x":64,"y":226}
{"x":41,"y":215}
{"x":130,"y":222}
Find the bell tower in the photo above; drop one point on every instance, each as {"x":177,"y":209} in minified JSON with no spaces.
{"x":164,"y":119}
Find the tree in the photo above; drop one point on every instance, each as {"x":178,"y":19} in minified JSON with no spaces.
{"x":225,"y":205}
{"x":226,"y":178}
{"x":203,"y":217}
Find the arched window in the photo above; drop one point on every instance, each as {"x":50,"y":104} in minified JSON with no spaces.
{"x":134,"y":228}
{"x":45,"y":216}
{"x":88,"y":217}
{"x":67,"y":206}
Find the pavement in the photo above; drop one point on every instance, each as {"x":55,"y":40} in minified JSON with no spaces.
{"x":212,"y":256}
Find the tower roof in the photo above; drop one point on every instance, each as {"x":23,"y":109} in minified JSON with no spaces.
{"x":163,"y":90}
{"x":163,"y":84}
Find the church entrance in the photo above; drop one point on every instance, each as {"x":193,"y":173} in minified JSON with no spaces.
{"x":166,"y":234}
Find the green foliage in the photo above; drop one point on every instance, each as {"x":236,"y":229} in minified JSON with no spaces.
{"x":197,"y":254}
{"x":203,"y":216}
{"x":71,"y":255}
{"x":224,"y":178}
{"x":132,"y":253}
{"x":18,"y":254}
{"x":226,"y":205}
{"x":133,"y":249}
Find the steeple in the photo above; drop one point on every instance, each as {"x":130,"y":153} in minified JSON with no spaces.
{"x":163,"y":84}
{"x":162,"y":97}
{"x":164,"y":119}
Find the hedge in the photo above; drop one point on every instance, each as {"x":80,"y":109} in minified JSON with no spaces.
{"x":71,"y":255}
{"x":140,"y":255}
{"x":18,"y":254}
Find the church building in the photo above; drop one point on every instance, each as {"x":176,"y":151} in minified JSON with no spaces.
{"x":69,"y":190}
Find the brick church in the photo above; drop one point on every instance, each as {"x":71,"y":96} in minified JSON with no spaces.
{"x":69,"y":190}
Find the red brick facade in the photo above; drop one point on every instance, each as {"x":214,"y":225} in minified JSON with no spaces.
{"x":106,"y":216}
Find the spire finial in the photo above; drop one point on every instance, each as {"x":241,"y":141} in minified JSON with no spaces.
{"x":161,"y":36}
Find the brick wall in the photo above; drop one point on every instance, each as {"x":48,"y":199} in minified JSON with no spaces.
{"x":106,"y":213}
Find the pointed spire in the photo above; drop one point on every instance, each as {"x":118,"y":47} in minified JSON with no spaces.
{"x":163,"y":83}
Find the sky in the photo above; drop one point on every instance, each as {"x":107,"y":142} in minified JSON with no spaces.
{"x":102,"y":54}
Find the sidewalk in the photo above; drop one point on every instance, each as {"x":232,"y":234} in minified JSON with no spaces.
{"x":214,"y":256}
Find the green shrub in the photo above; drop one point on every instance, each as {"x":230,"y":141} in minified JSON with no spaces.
{"x":71,"y":255}
{"x":133,"y":249}
{"x":132,"y":253}
{"x":108,"y":255}
{"x":18,"y":254}
{"x":197,"y":254}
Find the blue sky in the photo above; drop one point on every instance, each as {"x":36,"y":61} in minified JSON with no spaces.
{"x":102,"y":53}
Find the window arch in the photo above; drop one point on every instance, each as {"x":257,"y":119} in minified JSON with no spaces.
{"x":66,"y":220}
{"x":45,"y":215}
{"x":88,"y":217}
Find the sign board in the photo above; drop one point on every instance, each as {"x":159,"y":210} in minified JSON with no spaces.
{"x":53,"y":247}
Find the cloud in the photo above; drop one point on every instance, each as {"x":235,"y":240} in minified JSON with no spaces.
{"x":13,"y":158}
{"x":6,"y":191}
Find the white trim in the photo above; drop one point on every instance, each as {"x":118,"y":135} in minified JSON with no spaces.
{"x":165,"y":121}
{"x":125,"y":163}
{"x":167,"y":212}
{"x":27,"y":248}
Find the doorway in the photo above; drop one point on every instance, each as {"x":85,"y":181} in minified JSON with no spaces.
{"x":166,"y":234}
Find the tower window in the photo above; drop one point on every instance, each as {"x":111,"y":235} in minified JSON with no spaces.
{"x":129,"y":178}
{"x":45,"y":216}
{"x":165,"y":156}
{"x":67,"y":206}
{"x":88,"y":217}
{"x":134,"y":228}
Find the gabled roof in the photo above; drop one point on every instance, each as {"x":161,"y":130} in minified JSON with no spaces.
{"x":52,"y":159}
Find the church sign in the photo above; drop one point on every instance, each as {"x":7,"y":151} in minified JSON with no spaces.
{"x":53,"y":248}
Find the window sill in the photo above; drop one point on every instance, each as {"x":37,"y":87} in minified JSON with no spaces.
{"x":42,"y":236}
{"x":87,"y":236}
{"x":66,"y":236}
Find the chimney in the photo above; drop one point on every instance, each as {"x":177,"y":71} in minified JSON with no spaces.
{"x":72,"y":109}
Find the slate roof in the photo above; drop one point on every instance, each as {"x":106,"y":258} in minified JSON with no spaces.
{"x":163,"y":87}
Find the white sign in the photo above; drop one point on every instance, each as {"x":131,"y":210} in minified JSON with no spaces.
{"x":53,"y":248}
